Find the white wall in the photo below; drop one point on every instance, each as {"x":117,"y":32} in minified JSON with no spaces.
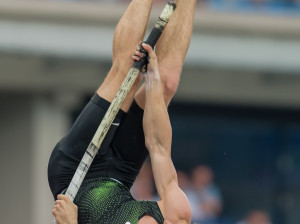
{"x":15,"y":195}
{"x":29,"y":128}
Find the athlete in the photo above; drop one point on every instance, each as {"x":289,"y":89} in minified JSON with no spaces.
{"x":173,"y":206}
{"x":104,"y":196}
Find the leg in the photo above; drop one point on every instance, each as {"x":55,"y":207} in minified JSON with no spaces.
{"x":172,"y":48}
{"x":129,"y":32}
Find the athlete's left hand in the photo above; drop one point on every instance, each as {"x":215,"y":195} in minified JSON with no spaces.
{"x":152,"y":63}
{"x":65,"y":211}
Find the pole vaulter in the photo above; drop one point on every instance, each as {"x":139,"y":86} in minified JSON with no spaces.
{"x":113,"y":109}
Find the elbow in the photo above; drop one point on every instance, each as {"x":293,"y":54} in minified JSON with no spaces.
{"x":151,"y":144}
{"x":159,"y":145}
{"x":157,"y":149}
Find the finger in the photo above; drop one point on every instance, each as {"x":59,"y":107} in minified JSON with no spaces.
{"x":63,"y":197}
{"x":136,"y":58}
{"x":140,"y":54}
{"x":60,"y":196}
{"x":138,"y":47}
{"x":55,"y":209}
{"x":54,"y":212}
{"x":58,"y":204}
{"x":148,"y":48}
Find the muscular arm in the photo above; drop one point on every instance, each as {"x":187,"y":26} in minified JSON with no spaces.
{"x":158,"y":136}
{"x":157,"y":128}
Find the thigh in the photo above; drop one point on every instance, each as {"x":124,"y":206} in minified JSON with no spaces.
{"x":79,"y":137}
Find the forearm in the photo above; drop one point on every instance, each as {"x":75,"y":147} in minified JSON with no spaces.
{"x":157,"y":127}
{"x":164,"y":172}
{"x":158,"y":134}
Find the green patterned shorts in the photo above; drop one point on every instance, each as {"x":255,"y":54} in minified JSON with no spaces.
{"x":106,"y":201}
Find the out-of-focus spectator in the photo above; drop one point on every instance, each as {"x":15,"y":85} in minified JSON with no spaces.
{"x":256,"y":217}
{"x":143,"y":188}
{"x":207,"y":203}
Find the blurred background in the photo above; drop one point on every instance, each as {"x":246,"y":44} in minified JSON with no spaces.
{"x":235,"y":117}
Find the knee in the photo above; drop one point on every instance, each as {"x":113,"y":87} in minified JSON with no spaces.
{"x":170,"y":85}
{"x":170,"y":80}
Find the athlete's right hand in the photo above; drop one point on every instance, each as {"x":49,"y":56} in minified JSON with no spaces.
{"x":65,"y":211}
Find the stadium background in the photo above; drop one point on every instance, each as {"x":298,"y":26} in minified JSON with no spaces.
{"x":237,"y":109}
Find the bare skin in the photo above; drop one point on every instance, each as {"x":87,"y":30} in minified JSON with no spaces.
{"x":134,"y":21}
{"x":64,"y":211}
{"x":171,"y":50}
{"x":158,"y":136}
{"x":174,"y":204}
{"x":165,"y":67}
